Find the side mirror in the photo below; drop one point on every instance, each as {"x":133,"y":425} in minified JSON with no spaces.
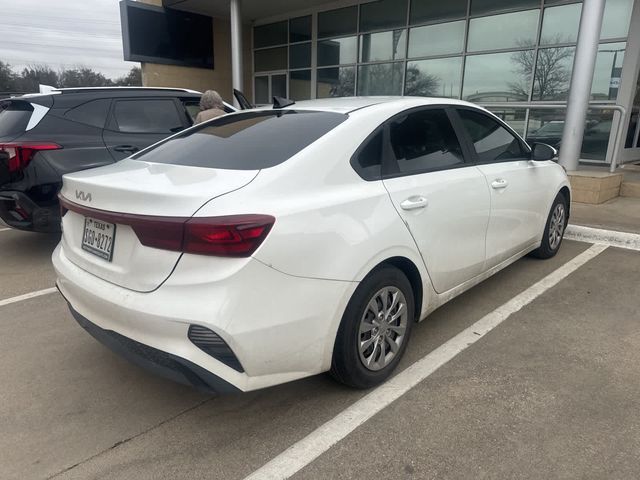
{"x":542,"y":152}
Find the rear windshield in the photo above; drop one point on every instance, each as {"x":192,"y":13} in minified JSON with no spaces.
{"x":246,"y":141}
{"x":14,"y":117}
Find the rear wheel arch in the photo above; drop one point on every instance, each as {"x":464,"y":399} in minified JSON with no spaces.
{"x":564,"y":191}
{"x":412,"y":273}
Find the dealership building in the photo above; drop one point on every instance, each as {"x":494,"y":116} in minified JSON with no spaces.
{"x":514,"y":56}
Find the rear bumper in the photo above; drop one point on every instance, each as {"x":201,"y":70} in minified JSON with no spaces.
{"x":18,"y":211}
{"x":156,"y":361}
{"x":280,"y":328}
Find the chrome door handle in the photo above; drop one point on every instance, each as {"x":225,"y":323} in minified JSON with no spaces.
{"x":499,"y":183}
{"x":414,"y":202}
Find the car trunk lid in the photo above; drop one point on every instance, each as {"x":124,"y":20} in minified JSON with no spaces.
{"x":103,"y":204}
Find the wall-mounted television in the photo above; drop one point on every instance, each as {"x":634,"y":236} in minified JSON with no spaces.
{"x":164,"y":35}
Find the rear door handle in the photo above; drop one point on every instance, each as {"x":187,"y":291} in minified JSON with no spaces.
{"x":126,"y":148}
{"x":499,"y":183}
{"x":414,"y":202}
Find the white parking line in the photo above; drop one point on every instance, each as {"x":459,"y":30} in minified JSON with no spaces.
{"x":324,"y":437}
{"x":27,"y":296}
{"x":605,"y":237}
{"x":5,"y":229}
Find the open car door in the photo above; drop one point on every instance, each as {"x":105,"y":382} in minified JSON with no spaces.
{"x":242,"y":100}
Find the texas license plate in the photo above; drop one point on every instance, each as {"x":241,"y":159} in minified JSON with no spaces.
{"x":98,"y":238}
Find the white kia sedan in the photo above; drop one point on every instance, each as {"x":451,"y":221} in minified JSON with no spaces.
{"x":273,"y":244}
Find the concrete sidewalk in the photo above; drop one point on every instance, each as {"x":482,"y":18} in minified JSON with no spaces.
{"x":621,"y":214}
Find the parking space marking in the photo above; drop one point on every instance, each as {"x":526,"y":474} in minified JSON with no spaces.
{"x":27,"y":296}
{"x":5,"y":229}
{"x":324,"y":437}
{"x":611,"y":238}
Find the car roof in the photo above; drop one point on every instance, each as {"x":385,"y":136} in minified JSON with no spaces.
{"x":107,"y":92}
{"x":351,"y":104}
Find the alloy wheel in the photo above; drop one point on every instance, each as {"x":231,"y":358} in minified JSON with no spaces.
{"x":382,"y":328}
{"x":556,"y":226}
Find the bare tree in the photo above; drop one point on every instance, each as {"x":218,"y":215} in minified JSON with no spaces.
{"x":552,"y":71}
{"x":420,"y":83}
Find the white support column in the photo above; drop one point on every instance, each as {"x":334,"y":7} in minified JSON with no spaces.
{"x":236,"y":47}
{"x":581,"y":79}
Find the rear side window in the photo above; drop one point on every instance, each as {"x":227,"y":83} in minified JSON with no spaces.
{"x":14,"y":117}
{"x":147,"y":116}
{"x":92,"y":113}
{"x":368,"y":160}
{"x":424,"y":141}
{"x":493,"y":142}
{"x":245,"y":141}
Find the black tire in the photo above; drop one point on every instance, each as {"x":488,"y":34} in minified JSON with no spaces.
{"x":347,"y":365}
{"x":547,"y":249}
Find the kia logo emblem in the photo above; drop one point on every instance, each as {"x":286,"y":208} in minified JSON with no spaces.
{"x":85,"y":197}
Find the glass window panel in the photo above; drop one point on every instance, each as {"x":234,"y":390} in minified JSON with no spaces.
{"x":423,"y":11}
{"x":383,"y":14}
{"x":279,"y":86}
{"x":147,"y":116}
{"x":434,"y":78}
{"x":300,"y":85}
{"x":270,"y":59}
{"x":424,"y":141}
{"x":608,"y":70}
{"x":300,"y":29}
{"x":514,"y":117}
{"x":508,"y":30}
{"x":261,"y":90}
{"x":553,"y":72}
{"x":561,"y":24}
{"x":440,"y":39}
{"x":383,"y":46}
{"x":596,"y":135}
{"x":615,"y":22}
{"x":546,"y":126}
{"x":300,"y":55}
{"x":498,"y":77}
{"x":272,"y":34}
{"x":479,"y":7}
{"x":492,"y":142}
{"x":343,"y":21}
{"x":336,"y":82}
{"x":380,"y":79}
{"x":369,"y":160}
{"x":337,"y":51}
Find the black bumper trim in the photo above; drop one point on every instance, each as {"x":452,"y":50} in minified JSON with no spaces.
{"x":156,"y":361}
{"x":39,"y":219}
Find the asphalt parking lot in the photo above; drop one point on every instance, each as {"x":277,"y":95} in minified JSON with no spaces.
{"x":551,"y":392}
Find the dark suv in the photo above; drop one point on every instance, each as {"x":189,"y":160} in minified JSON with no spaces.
{"x":44,"y":136}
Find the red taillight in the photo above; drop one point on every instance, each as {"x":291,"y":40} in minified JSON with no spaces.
{"x":230,"y":236}
{"x":21,"y":153}
{"x":226,"y":236}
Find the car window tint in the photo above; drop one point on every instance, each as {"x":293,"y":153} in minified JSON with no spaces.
{"x":193,"y":108}
{"x":14,"y":117}
{"x":92,"y":113}
{"x":147,"y":116}
{"x":245,"y":141}
{"x":423,"y":141}
{"x":368,"y":162}
{"x":493,"y":142}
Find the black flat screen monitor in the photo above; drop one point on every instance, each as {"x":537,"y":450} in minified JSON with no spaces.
{"x":163,"y":35}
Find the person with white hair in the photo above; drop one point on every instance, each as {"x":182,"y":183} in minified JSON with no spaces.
{"x":211,"y":106}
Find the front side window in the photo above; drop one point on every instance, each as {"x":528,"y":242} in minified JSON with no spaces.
{"x":492,"y":142}
{"x":147,"y":116}
{"x":424,"y":141}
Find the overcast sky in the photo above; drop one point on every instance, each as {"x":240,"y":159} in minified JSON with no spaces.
{"x":63,"y":34}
